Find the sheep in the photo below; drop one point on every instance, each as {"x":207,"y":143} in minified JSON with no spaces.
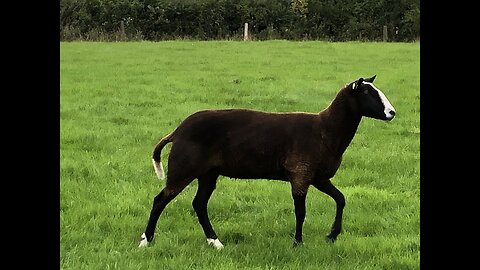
{"x":301,"y":148}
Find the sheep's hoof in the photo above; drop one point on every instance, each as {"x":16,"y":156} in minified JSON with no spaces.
{"x":330,"y":238}
{"x":215,"y":243}
{"x":297,"y":243}
{"x":143,"y":241}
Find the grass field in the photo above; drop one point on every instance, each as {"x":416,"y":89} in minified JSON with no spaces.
{"x":118,"y":99}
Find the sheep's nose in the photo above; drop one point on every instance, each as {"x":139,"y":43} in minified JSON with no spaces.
{"x":390,"y":115}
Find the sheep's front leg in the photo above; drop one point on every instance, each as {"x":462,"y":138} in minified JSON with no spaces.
{"x":299,"y":202}
{"x":299,"y":193}
{"x":300,"y":176}
{"x":328,"y":188}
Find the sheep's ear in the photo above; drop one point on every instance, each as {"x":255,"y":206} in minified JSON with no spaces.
{"x":370,"y":80}
{"x":357,"y":83}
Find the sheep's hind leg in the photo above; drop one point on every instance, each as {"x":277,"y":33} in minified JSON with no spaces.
{"x":159,"y":203}
{"x":206,"y":186}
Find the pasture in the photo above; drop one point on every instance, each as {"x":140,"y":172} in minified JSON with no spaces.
{"x":118,"y":99}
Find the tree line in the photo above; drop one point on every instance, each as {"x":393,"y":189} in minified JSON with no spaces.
{"x":333,"y":20}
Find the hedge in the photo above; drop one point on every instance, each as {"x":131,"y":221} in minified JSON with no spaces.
{"x":335,"y":20}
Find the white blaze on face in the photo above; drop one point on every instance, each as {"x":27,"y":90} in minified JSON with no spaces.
{"x":388,"y":108}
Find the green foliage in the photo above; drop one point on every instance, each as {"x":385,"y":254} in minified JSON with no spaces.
{"x":118,"y":99}
{"x":337,"y":20}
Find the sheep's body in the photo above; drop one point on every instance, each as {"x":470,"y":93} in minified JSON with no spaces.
{"x":250,"y":144}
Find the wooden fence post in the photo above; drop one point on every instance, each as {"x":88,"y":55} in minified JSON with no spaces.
{"x":245,"y":32}
{"x":122,"y":31}
{"x":385,"y":34}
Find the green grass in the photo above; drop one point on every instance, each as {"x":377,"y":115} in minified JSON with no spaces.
{"x":118,"y":99}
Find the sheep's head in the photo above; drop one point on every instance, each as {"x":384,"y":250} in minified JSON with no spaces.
{"x":371,"y":101}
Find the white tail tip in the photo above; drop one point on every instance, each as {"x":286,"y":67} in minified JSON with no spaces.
{"x":158,"y":169}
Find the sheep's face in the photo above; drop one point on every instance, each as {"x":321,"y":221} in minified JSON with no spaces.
{"x":371,"y":101}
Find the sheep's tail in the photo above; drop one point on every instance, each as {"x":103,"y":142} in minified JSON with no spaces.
{"x":157,"y":163}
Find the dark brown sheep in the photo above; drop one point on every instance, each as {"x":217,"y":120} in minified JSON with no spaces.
{"x":301,"y":148}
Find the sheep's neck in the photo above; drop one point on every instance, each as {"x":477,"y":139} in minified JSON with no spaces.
{"x":339,"y":122}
